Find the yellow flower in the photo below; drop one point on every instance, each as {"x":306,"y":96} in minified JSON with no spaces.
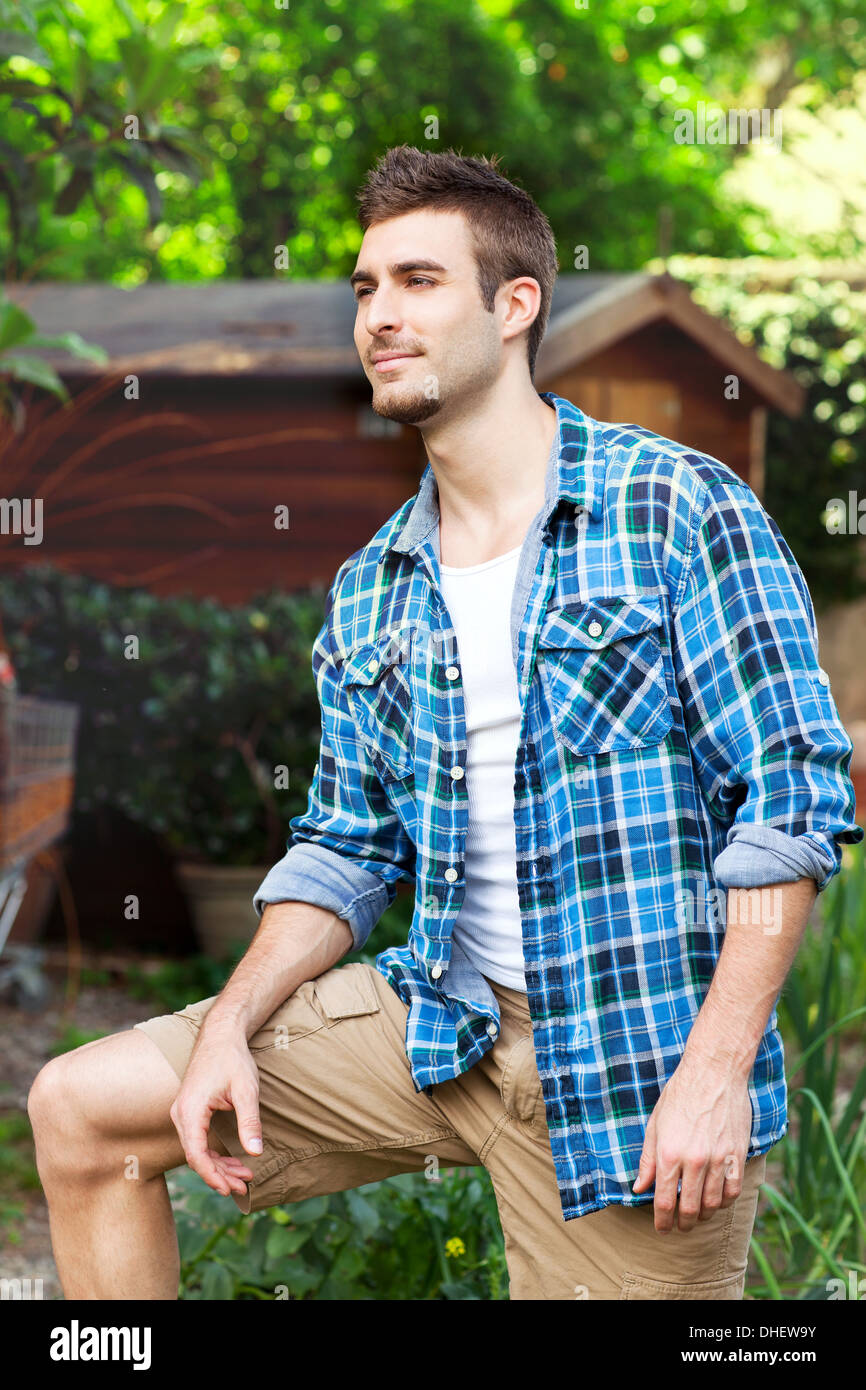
{"x":455,"y":1246}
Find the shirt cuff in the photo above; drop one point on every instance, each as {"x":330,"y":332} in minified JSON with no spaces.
{"x":310,"y":873}
{"x":758,"y":854}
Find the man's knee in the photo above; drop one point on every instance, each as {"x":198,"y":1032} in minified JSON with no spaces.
{"x":86,"y":1103}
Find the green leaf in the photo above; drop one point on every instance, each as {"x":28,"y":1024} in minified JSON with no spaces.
{"x":145,"y":180}
{"x":71,"y":342}
{"x":216,"y":1282}
{"x":313,"y":1209}
{"x":15,"y":325}
{"x":31,"y":369}
{"x":75,"y":188}
{"x":286,"y":1240}
{"x":174,"y":158}
{"x":15,"y":45}
{"x":297,"y":1276}
{"x":363,"y":1213}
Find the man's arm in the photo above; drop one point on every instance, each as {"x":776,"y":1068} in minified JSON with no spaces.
{"x":295,"y":941}
{"x":771,"y":757}
{"x":700,"y":1128}
{"x":346,"y":853}
{"x":768,"y":747}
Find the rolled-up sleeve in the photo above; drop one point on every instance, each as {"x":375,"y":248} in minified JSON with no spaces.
{"x":348,"y":850}
{"x":769,"y":749}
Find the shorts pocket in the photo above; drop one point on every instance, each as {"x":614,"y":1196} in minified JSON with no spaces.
{"x":520,"y":1088}
{"x":295,"y":1018}
{"x":345,"y":991}
{"x":729,"y":1289}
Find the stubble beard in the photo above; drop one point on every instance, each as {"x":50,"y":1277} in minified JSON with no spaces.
{"x":408,"y":406}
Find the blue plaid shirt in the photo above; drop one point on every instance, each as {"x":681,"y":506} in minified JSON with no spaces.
{"x":678,"y":737}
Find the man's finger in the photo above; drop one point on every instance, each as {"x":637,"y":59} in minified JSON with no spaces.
{"x":246,"y":1103}
{"x":233,"y":1178}
{"x":665,"y":1200}
{"x":237,"y":1166}
{"x":647,"y":1166}
{"x":193,"y":1137}
{"x":714,"y":1190}
{"x":646,"y":1171}
{"x":733,"y":1180}
{"x":691,"y":1195}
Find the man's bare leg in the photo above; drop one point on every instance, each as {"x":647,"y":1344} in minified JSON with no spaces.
{"x":104,"y":1139}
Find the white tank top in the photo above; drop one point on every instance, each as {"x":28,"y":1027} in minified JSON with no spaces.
{"x":488,"y":925}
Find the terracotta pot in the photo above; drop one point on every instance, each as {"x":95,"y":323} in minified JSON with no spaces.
{"x":220,"y":899}
{"x":35,"y":907}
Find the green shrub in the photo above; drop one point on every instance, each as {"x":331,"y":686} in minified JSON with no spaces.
{"x":408,"y":1237}
{"x":185,"y":735}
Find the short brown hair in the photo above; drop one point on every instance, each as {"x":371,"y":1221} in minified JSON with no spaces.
{"x":511,"y":235}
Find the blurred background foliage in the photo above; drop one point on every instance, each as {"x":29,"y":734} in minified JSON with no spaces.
{"x":255,"y":125}
{"x":258,"y":123}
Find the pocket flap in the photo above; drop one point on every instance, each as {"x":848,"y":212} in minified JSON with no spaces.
{"x":596,"y":623}
{"x":365,"y":664}
{"x":345,"y":991}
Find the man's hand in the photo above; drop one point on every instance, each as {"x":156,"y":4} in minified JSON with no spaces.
{"x":698,"y":1131}
{"x":221,"y":1076}
{"x":700,"y":1128}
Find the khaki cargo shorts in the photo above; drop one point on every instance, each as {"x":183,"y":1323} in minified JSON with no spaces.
{"x":339,"y":1109}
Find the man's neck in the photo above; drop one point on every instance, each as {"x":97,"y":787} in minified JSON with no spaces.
{"x":490,"y":473}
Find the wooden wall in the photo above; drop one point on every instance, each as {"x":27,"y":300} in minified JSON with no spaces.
{"x":242,"y":449}
{"x":659,"y":379}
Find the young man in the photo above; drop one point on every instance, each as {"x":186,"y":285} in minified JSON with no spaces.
{"x":571,"y":690}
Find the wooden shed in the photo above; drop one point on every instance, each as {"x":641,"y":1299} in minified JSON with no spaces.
{"x":222,"y":403}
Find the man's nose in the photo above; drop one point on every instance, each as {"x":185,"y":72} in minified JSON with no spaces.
{"x":381,"y":313}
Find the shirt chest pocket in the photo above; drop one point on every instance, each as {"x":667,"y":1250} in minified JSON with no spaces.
{"x":376,"y":678}
{"x":602,"y":663}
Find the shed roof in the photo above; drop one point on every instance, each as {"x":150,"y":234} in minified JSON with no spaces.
{"x":303,"y":328}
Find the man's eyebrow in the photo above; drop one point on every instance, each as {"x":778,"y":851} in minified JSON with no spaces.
{"x":400,"y":268}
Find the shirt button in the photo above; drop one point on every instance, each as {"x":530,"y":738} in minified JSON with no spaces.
{"x":372,"y":665}
{"x":452,"y":672}
{"x":594,"y":629}
{"x":435,"y":972}
{"x":451,"y":875}
{"x":823,"y":677}
{"x":456,"y":772}
{"x":492,"y":1029}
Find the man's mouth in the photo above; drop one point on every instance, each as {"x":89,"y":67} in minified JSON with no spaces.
{"x":391,"y":363}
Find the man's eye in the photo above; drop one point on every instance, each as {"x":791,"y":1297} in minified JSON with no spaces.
{"x":420,"y":279}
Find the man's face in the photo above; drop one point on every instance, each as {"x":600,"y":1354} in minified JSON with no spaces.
{"x":417,"y":294}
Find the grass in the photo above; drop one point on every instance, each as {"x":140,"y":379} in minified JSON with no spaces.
{"x":17,"y":1172}
{"x":811,"y":1228}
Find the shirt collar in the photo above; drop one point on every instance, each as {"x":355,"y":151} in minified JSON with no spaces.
{"x":575,"y":472}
